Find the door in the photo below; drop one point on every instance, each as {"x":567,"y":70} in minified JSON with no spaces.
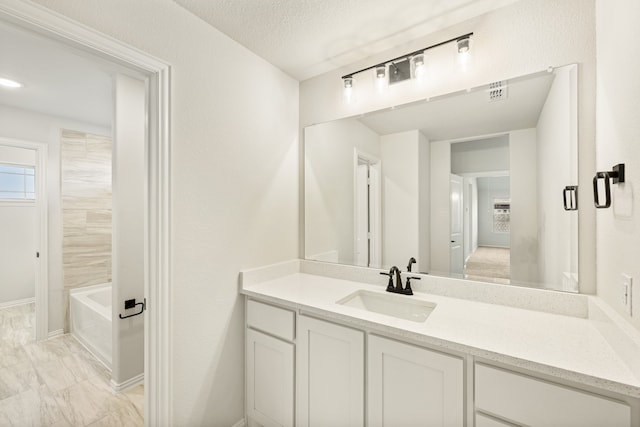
{"x":330,"y":374}
{"x":412,"y":386}
{"x":457,"y":232}
{"x":269,"y":380}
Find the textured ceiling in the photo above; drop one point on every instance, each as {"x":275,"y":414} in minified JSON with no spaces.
{"x":305,"y":38}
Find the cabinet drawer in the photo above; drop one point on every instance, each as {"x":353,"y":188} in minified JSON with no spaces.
{"x":526,"y":400}
{"x":273,"y":320}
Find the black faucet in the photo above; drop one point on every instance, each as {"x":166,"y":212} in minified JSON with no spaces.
{"x":412,"y":260}
{"x":398,"y":289}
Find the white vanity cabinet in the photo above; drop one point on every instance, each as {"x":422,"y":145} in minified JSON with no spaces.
{"x":413,"y":386}
{"x":305,"y":371}
{"x":329,"y":374}
{"x":514,"y":399}
{"x":270,"y":387}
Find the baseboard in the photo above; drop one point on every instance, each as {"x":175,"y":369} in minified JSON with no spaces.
{"x":56,"y":333}
{"x":132,"y":382}
{"x":17,"y":302}
{"x":240,"y":423}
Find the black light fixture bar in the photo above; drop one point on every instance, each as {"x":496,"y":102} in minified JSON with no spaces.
{"x":408,"y":55}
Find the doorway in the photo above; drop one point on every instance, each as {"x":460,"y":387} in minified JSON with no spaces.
{"x":23,"y":203}
{"x":38,"y":20}
{"x":367,"y":210}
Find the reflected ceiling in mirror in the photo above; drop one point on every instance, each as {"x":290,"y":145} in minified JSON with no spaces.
{"x":470,"y":184}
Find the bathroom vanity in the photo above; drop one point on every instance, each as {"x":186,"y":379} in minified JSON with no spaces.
{"x":327,"y":346}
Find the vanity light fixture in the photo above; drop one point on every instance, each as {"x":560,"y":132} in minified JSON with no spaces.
{"x":10,"y":83}
{"x":462,"y":42}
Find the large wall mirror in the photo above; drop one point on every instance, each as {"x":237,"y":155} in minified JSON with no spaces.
{"x":471,"y":184}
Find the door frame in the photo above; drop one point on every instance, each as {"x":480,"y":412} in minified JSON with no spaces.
{"x":375,"y":206}
{"x":42,"y":242}
{"x":158,"y":346}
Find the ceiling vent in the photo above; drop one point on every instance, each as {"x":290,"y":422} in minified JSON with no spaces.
{"x":498,"y":91}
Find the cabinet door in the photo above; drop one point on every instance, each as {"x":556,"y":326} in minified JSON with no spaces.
{"x":270,"y":387}
{"x":330,"y":374}
{"x":410,"y":386}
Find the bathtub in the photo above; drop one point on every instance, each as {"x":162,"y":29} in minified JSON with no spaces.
{"x":90,"y":318}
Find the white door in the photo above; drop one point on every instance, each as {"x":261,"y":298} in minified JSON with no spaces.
{"x":270,"y":385}
{"x":411,"y":386}
{"x":457,"y":236}
{"x":329,"y":375}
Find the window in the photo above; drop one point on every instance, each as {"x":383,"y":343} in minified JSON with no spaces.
{"x":17,"y":182}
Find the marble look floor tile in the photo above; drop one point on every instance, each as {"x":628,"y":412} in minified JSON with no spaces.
{"x":4,"y":420}
{"x":83,"y":366}
{"x":17,"y":379}
{"x":136,"y":396}
{"x":31,"y":408}
{"x":85,"y":402}
{"x":72,"y":344}
{"x":123,"y":417}
{"x":10,"y":356}
{"x":56,"y":375}
{"x":62,"y":423}
{"x":38,"y":353}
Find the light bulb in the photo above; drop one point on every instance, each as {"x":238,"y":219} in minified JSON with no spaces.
{"x":464,"y":44}
{"x":418,"y":65}
{"x":347,"y":92}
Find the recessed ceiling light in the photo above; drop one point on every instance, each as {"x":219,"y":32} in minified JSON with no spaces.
{"x":9,"y":83}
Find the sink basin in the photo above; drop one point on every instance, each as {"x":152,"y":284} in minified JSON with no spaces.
{"x":400,"y":306}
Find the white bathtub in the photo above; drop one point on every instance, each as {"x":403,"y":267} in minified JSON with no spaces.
{"x":90,"y":313}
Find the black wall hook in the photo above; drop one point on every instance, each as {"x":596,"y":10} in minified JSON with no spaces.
{"x":131,"y":303}
{"x":616,"y":176}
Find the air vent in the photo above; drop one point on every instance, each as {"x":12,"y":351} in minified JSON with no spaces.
{"x":498,"y":90}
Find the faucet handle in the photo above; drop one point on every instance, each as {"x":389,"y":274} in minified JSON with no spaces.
{"x":390,"y":284}
{"x":407,"y":287}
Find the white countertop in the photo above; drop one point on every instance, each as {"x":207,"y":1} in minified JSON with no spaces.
{"x":571,"y":348}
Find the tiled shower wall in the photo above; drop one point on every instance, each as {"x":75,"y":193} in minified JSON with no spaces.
{"x":86,"y":211}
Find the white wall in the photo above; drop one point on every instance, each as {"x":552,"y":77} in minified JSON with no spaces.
{"x":128,"y":226}
{"x":440,"y":206}
{"x":30,"y":126}
{"x":522,"y":38}
{"x":524,"y":206}
{"x":329,"y":185}
{"x":234,"y":188}
{"x":482,"y":155}
{"x":556,"y":146}
{"x":618,"y":133}
{"x":400,"y":153}
{"x":18,"y":241}
{"x":424,"y":204}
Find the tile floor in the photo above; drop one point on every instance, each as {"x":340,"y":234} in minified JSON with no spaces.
{"x":56,"y":382}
